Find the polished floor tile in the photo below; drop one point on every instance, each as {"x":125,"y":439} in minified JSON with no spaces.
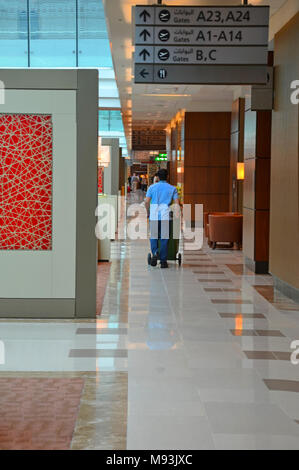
{"x":102,"y":331}
{"x":268,"y":355}
{"x":98,"y":353}
{"x":244,"y":332}
{"x":255,"y":442}
{"x":196,"y":357}
{"x":240,"y":269}
{"x":231,"y":301}
{"x":172,"y":433}
{"x":243,"y":315}
{"x":208,"y":272}
{"x":223,"y":379}
{"x":282,"y":385}
{"x":236,"y":418}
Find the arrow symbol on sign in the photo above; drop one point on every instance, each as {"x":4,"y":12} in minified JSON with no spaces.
{"x":144,"y":73}
{"x":145,"y":33}
{"x":144,"y":53}
{"x":144,"y":14}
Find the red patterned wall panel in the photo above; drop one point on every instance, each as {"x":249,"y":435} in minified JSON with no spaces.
{"x":100,"y":180}
{"x":26,"y":145}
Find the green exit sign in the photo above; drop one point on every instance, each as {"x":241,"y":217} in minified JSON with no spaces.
{"x":162,"y":157}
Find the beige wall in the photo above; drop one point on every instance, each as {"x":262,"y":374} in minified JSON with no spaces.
{"x":284,"y":214}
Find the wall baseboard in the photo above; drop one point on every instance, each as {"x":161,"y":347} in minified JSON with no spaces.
{"x":37,"y":308}
{"x":258,"y":267}
{"x":286,"y":288}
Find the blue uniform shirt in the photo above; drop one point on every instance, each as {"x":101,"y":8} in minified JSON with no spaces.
{"x":162,"y":194}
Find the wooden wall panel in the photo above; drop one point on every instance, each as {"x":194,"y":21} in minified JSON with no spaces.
{"x":211,"y":202}
{"x":248,"y":230}
{"x":256,"y":201}
{"x":264,"y":127}
{"x":236,"y":155}
{"x":206,"y":180}
{"x":207,"y":152}
{"x":262,"y":184}
{"x":262,"y":219}
{"x":211,"y":126}
{"x":173,"y":156}
{"x":249,"y":184}
{"x":207,"y":160}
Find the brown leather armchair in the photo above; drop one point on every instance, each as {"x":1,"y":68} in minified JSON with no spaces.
{"x":206,"y":219}
{"x":225,"y":228}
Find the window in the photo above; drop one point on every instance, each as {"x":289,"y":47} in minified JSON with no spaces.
{"x":110,"y":120}
{"x":52,"y":33}
{"x":13,"y":33}
{"x":94,"y":49}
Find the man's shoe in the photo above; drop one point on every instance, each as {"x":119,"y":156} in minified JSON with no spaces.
{"x":164,"y":264}
{"x":154,"y":260}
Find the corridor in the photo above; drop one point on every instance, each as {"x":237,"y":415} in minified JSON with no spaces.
{"x":196,"y":357}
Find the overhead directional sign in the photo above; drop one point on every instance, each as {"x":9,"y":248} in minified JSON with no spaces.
{"x":199,"y":36}
{"x":144,"y":34}
{"x":202,"y":16}
{"x":202,"y":36}
{"x":145,"y":15}
{"x":201,"y":55}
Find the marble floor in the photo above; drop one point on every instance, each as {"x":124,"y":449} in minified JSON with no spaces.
{"x":193,"y":357}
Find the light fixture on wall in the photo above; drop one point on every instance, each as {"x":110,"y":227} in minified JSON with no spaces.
{"x":240,"y":171}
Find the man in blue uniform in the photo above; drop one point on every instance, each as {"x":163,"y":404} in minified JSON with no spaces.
{"x":159,"y":198}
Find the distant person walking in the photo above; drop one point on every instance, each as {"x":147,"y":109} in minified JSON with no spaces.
{"x":159,"y":198}
{"x":144,"y":184}
{"x":134,"y":182}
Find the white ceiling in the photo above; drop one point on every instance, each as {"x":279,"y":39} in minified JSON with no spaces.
{"x":141,"y":104}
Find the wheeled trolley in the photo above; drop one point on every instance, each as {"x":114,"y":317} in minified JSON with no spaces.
{"x":173,"y":248}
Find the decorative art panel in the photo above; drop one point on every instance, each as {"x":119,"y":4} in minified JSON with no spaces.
{"x":26,"y":148}
{"x":100,"y":180}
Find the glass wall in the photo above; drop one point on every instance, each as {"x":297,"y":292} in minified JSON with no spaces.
{"x":53,"y":33}
{"x":93,"y":43}
{"x":52,"y":29}
{"x":63,"y":33}
{"x":110,"y":120}
{"x":13,"y":33}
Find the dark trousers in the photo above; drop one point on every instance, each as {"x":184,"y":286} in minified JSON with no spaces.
{"x":159,"y":230}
